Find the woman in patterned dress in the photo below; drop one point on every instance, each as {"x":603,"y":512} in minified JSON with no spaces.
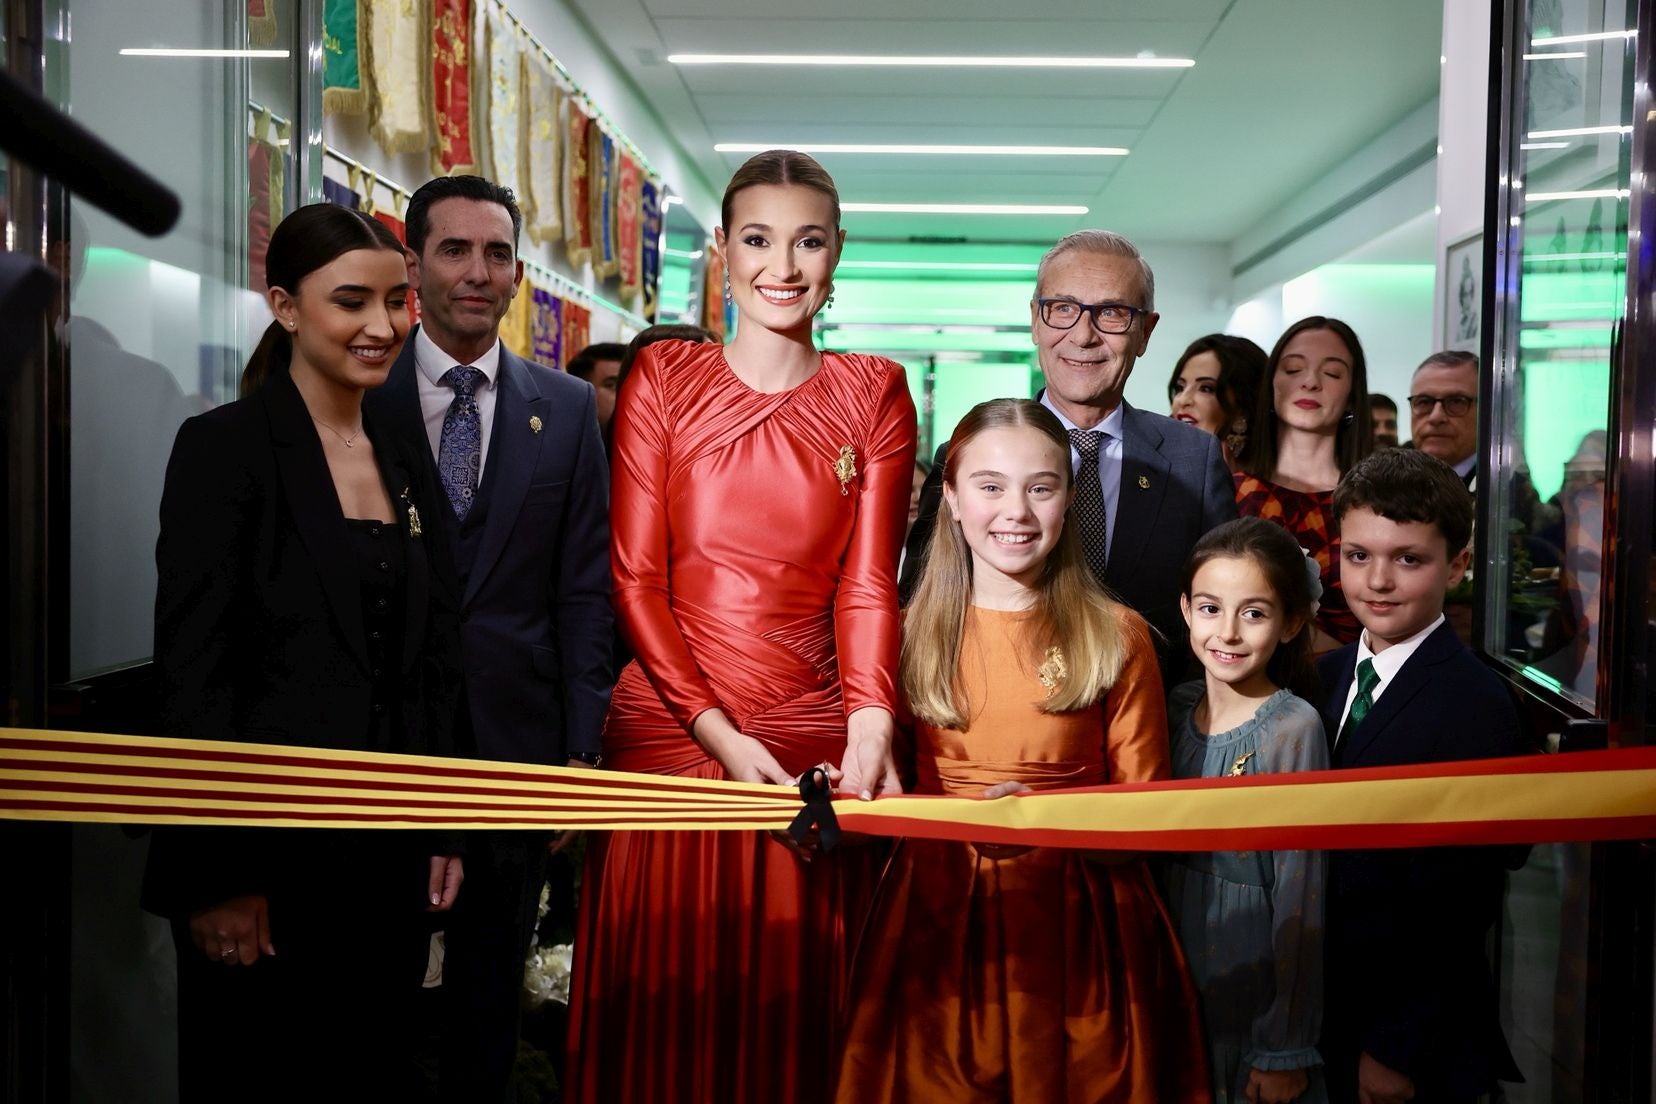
{"x":1311,"y":424}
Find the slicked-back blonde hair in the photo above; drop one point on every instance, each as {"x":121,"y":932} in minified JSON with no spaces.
{"x":780,"y":166}
{"x":1075,"y":616}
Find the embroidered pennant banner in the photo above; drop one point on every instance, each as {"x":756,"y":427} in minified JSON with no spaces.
{"x":344,"y":86}
{"x":451,"y":87}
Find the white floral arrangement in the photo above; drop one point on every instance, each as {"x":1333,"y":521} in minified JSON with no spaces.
{"x":546,"y":973}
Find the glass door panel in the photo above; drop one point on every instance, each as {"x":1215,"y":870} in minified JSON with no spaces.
{"x":1565,"y":296}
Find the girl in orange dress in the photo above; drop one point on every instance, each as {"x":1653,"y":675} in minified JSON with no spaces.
{"x":998,"y":973}
{"x":759,"y":497}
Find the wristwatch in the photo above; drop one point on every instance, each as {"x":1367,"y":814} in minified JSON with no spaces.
{"x":594,"y":759}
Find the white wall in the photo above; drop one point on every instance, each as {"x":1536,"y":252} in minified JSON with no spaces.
{"x":1462,"y":122}
{"x":1192,"y":297}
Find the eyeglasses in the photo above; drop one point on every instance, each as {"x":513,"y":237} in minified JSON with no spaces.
{"x":1453,"y":405}
{"x":1108,"y":318}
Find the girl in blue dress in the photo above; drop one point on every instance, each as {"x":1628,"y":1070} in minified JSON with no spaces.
{"x":1251,"y":921}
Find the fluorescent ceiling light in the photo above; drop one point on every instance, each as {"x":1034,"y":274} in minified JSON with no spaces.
{"x":964,"y":208}
{"x":1601,"y":36}
{"x":923,"y":61}
{"x":1594,"y":193}
{"x":135,"y":51}
{"x":859,"y":147}
{"x":942,"y":266}
{"x":1561,"y":56}
{"x":1543,"y":145}
{"x":1573,"y":132}
{"x":1541,"y":257}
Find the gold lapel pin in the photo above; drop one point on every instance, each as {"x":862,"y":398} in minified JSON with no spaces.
{"x":535,"y":422}
{"x":1239,"y":767}
{"x":413,"y":514}
{"x":1144,"y":482}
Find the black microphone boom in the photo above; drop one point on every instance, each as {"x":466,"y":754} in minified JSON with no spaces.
{"x":34,"y":131}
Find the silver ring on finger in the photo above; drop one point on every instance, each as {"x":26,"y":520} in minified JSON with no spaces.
{"x":227,"y":952}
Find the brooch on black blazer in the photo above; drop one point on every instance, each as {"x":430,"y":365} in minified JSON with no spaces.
{"x":413,"y":515}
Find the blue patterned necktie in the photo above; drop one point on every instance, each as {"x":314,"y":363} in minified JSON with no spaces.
{"x":1087,"y":511}
{"x":1367,"y":679}
{"x":460,"y":449}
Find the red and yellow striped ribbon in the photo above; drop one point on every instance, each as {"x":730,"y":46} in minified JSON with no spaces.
{"x":70,"y":776}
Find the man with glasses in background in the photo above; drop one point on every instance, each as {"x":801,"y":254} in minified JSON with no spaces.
{"x":1146,"y":487}
{"x":1443,"y":410}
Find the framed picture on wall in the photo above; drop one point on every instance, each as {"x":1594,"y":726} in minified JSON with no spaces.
{"x":1463,"y":294}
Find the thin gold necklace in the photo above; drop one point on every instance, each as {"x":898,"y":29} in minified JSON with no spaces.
{"x":350,"y":442}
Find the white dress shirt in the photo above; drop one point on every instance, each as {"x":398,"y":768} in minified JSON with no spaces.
{"x":1109,"y":462}
{"x":436,"y":396}
{"x":1386,"y":665}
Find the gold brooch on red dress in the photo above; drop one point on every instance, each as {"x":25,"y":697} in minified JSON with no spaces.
{"x":846,"y":467}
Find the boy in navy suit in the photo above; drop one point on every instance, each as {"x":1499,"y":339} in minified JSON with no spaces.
{"x":1410,"y":1011}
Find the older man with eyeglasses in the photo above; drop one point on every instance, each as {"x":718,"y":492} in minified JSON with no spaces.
{"x":1443,"y":410}
{"x":1146,"y":487}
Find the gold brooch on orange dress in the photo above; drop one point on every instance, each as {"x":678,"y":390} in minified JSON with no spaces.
{"x":846,"y":467}
{"x":1054,"y":670}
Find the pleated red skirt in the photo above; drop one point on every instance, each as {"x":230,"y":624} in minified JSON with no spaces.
{"x":711,"y":966}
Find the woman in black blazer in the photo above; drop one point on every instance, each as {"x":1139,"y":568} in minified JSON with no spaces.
{"x":298,"y":604}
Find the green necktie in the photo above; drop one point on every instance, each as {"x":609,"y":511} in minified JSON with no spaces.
{"x":1367,"y":679}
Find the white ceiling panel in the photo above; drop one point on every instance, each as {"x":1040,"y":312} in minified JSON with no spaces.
{"x":1161,"y":11}
{"x":1280,"y":92}
{"x":1036,"y":36}
{"x":728,"y":109}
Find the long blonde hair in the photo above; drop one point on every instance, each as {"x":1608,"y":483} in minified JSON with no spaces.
{"x":1080,"y":646}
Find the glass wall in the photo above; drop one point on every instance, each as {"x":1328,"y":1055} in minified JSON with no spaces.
{"x":1560,"y":296}
{"x":1565,"y":278}
{"x":158,"y":328}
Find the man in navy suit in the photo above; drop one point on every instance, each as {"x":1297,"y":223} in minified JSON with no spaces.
{"x":1150,"y":486}
{"x":518,"y":455}
{"x":1410,"y":1003}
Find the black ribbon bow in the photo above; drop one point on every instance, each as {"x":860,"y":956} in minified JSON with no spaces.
{"x":818,"y":813}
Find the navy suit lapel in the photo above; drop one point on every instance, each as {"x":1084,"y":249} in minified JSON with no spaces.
{"x":1334,"y":700}
{"x":1406,"y":684}
{"x":397,"y":400}
{"x":314,"y":506}
{"x":514,"y":448}
{"x":1143,"y":484}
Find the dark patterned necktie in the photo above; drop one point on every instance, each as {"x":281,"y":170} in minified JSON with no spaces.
{"x":1087,"y":511}
{"x":1367,"y":679}
{"x":460,"y":449}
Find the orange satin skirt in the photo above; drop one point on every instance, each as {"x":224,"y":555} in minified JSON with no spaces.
{"x":1042,"y":978}
{"x":712,"y":966}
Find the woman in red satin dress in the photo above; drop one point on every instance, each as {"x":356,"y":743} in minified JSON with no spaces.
{"x":759,"y":502}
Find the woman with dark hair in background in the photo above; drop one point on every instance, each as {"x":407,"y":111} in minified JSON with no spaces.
{"x":296,"y":605}
{"x":1214,"y":387}
{"x":1310,"y":426}
{"x":759,"y":496}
